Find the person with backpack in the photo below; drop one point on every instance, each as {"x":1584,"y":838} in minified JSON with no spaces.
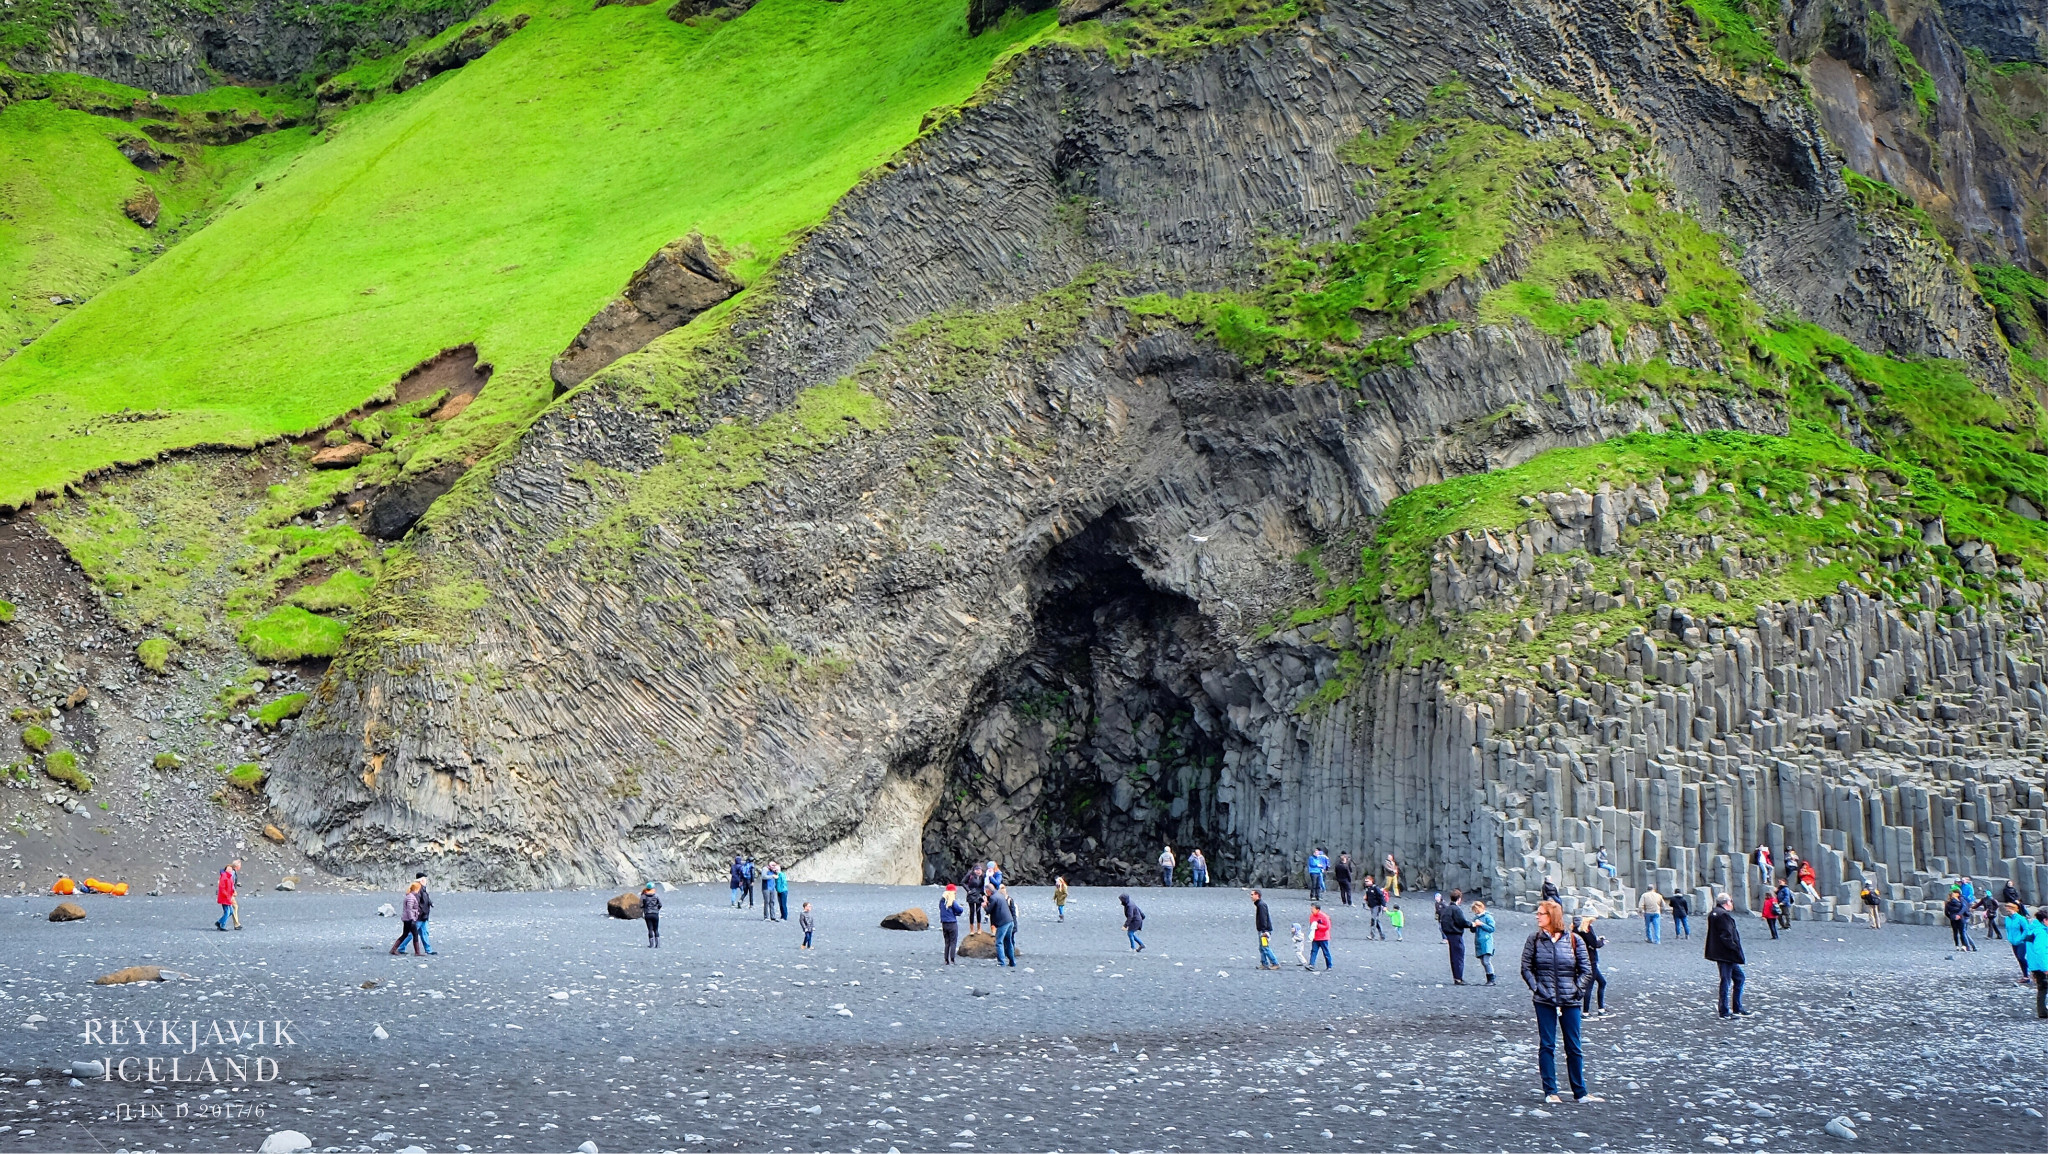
{"x":1134,"y":920}
{"x":747,"y":872}
{"x":949,"y":923}
{"x":1869,"y":898}
{"x":1392,"y":869}
{"x":1724,"y":949}
{"x":1771,"y":913}
{"x":1262,"y":924}
{"x":1375,"y":905}
{"x":737,"y":879}
{"x":1554,"y":967}
{"x":1784,"y":906}
{"x":650,"y":912}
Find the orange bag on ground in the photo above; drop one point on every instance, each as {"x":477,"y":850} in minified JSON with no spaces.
{"x":116,"y":889}
{"x":64,"y":886}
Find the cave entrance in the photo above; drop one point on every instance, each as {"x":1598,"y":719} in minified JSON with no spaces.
{"x":1096,"y":746}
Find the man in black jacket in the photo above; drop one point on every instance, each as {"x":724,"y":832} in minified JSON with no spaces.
{"x":1375,"y":904}
{"x":1681,"y":910}
{"x":426,"y":910}
{"x":1452,"y":921}
{"x":1262,"y":921}
{"x":1724,"y":949}
{"x":1002,"y":919}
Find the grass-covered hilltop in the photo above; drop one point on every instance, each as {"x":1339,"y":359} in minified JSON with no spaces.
{"x":570,"y":440}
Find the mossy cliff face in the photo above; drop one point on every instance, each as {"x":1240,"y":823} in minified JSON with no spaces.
{"x":1040,"y":503}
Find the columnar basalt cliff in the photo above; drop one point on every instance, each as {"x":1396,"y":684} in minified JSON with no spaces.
{"x":953,"y":540}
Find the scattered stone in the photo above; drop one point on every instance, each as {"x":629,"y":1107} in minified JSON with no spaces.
{"x":289,"y":884}
{"x":910,"y":919}
{"x":385,"y":911}
{"x":143,"y":207}
{"x":274,"y":834}
{"x":625,"y":907}
{"x":342,"y":456}
{"x":980,"y":944}
{"x":1840,"y":1128}
{"x":68,"y":912}
{"x":90,"y":1068}
{"x":587,"y":1148}
{"x":79,"y":696}
{"x":285,"y":1142}
{"x":131,"y":974}
{"x":381,"y":1034}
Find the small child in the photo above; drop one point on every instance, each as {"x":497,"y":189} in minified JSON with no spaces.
{"x":1059,"y":896}
{"x":804,"y":922}
{"x":1300,"y":945}
{"x":1394,"y":919}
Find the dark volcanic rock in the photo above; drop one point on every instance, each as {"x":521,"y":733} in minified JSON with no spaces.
{"x":625,"y":907}
{"x":397,"y":508}
{"x":68,"y":912}
{"x":676,"y":284}
{"x":910,"y":919}
{"x":473,"y":42}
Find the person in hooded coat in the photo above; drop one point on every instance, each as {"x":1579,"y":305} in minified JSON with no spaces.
{"x":650,"y":912}
{"x":1134,"y":920}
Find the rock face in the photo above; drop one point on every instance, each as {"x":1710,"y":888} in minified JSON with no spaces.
{"x":674,"y":285}
{"x":910,"y":919}
{"x":171,"y":47}
{"x":1010,"y":586}
{"x":68,"y":912}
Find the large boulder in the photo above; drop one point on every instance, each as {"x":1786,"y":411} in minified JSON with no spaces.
{"x":910,"y":919}
{"x":625,"y":907}
{"x":131,"y":974}
{"x":343,"y":456}
{"x":980,"y":944}
{"x":68,"y":912}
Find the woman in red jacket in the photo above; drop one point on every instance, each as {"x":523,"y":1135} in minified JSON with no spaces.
{"x":224,"y":893}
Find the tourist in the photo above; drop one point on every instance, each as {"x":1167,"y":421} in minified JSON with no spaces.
{"x":992,"y":877}
{"x":1376,"y":905}
{"x":1992,"y":929}
{"x":1395,"y":920}
{"x":1771,"y":913}
{"x":1763,"y":865}
{"x":1002,"y":918}
{"x":1969,"y":889}
{"x":1300,"y":944}
{"x":1601,"y":863}
{"x":807,"y":924}
{"x":1791,"y":865}
{"x":1198,"y":870}
{"x":1166,"y":867}
{"x":747,"y":872}
{"x":768,"y":876}
{"x":1262,"y":923}
{"x":1869,"y":897}
{"x":1652,"y":907}
{"x":949,"y":922}
{"x":2009,"y":894}
{"x":1134,"y":920}
{"x":650,"y":912}
{"x":409,"y":910}
{"x":1319,"y":933}
{"x":1482,"y":937}
{"x":970,"y":887}
{"x":1554,"y":967}
{"x":1681,"y":915}
{"x":2037,"y":960}
{"x":1958,"y":915}
{"x":224,"y":893}
{"x":1784,"y":906}
{"x":1393,"y":872}
{"x":1596,"y":982}
{"x":782,"y":894}
{"x":1549,"y":893}
{"x":1451,"y":920}
{"x":1343,"y":876}
{"x":426,"y":910}
{"x":1724,"y":949}
{"x":2017,"y":930}
{"x":1807,"y":879}
{"x":1059,"y":896}
{"x":1318,"y":865}
{"x":738,"y":878}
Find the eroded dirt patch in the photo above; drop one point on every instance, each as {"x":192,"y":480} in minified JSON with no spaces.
{"x":456,"y":370}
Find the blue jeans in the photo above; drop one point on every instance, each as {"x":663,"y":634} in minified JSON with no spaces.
{"x":1006,"y":944}
{"x":1653,"y":928}
{"x":424,"y":943}
{"x":1199,"y":878}
{"x":1547,"y":1020}
{"x":1166,"y":875}
{"x":1266,"y":957}
{"x":1315,"y":885}
{"x":227,"y":910}
{"x":1137,"y":943}
{"x":1323,"y":948}
{"x":1680,"y":927}
{"x":1731,"y":975}
{"x":735,"y":897}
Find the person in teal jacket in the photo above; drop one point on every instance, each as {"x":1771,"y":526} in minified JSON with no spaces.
{"x":2016,"y":934}
{"x":782,"y":893}
{"x":1482,"y":938}
{"x":2037,"y":959}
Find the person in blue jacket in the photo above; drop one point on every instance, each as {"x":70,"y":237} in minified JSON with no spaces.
{"x":2016,"y":934}
{"x":739,"y":880}
{"x":1318,"y":865}
{"x":1482,"y":937}
{"x":2037,"y":960}
{"x":950,"y":910}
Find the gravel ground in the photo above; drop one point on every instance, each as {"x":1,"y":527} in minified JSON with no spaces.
{"x":540,"y":1025}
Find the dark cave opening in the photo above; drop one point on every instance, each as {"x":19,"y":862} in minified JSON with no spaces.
{"x":1095,"y":747}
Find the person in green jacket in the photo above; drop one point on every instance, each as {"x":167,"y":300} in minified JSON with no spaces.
{"x":1394,"y":920}
{"x":782,"y":893}
{"x":1482,"y":938}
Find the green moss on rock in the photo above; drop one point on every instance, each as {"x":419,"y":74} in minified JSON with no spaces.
{"x":63,"y":766}
{"x":154,"y":654}
{"x":36,"y":738}
{"x":274,"y":713}
{"x":289,"y":633}
{"x":248,"y":776}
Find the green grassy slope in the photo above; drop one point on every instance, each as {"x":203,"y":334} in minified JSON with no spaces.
{"x":502,"y":204}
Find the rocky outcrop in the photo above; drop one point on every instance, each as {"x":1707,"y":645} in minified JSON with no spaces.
{"x":173,"y":47}
{"x":670,"y":290}
{"x":937,"y":551}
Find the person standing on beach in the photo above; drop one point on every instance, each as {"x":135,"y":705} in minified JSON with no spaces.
{"x":1166,"y":867}
{"x":1393,"y":872}
{"x":738,"y":878}
{"x":1554,"y":967}
{"x":1343,"y":875}
{"x":1262,"y":924}
{"x":1482,"y":937}
{"x":949,"y":922}
{"x":1134,"y":920}
{"x":1059,"y":896}
{"x":1002,"y":918}
{"x":1652,"y":907}
{"x":1681,"y":911}
{"x":1596,"y":982}
{"x":1319,"y":932}
{"x":1318,"y":866}
{"x":1375,"y":905}
{"x":782,"y":894}
{"x":768,"y":892}
{"x":1451,"y":919}
{"x":747,"y":872}
{"x":650,"y":912}
{"x":807,"y":924}
{"x":1198,"y":870}
{"x":224,"y":893}
{"x":1724,"y":949}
